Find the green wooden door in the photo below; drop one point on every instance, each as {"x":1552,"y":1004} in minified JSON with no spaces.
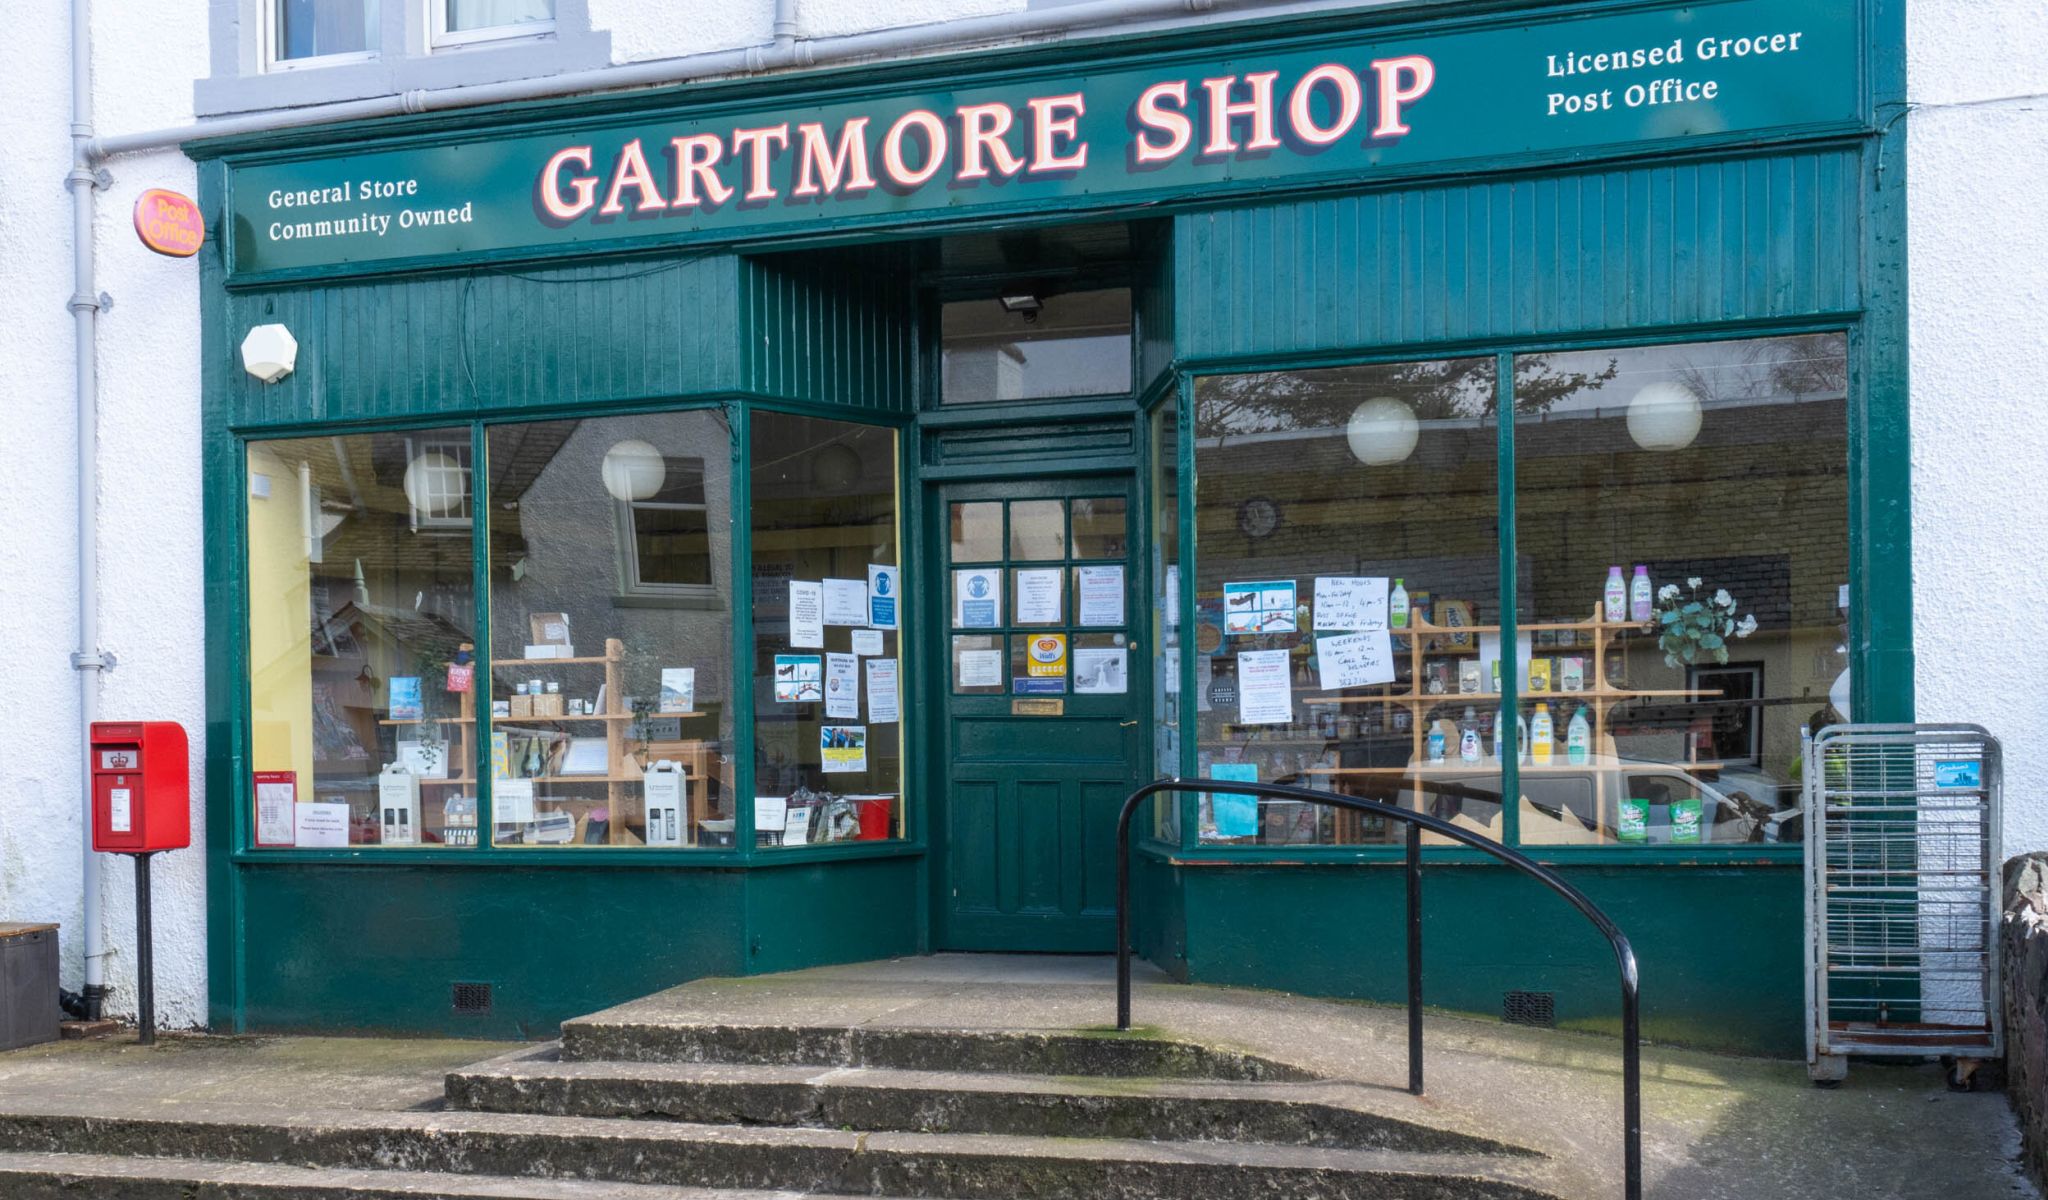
{"x":1041,"y":716}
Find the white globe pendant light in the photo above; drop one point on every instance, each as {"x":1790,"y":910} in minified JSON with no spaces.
{"x":634,"y":470}
{"x":1382,"y":431}
{"x":435,"y":484}
{"x":1664,"y":416}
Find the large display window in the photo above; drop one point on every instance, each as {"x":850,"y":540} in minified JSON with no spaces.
{"x":1676,"y":615}
{"x":828,"y":617}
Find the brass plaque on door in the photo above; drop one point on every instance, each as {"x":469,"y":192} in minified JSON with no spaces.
{"x":1038,"y":708}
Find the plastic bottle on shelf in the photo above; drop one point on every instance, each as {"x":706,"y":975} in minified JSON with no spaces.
{"x":1617,"y":596}
{"x":1436,"y":743}
{"x":1639,"y":595}
{"x":1397,"y":607}
{"x":1578,"y":739}
{"x":1542,"y":738}
{"x":1468,"y":737}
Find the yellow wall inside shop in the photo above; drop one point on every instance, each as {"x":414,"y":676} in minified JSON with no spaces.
{"x":280,"y":640}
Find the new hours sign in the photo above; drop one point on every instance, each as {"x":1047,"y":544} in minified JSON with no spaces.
{"x":1341,"y":109}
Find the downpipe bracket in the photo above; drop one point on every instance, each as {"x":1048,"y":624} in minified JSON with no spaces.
{"x":103,"y":661}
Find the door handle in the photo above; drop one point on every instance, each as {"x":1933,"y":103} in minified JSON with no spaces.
{"x":1127,"y":724}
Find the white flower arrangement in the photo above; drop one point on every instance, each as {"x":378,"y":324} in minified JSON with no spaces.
{"x":1691,"y":627}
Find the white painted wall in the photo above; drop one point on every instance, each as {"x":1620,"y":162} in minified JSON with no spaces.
{"x":1978,"y":281}
{"x":1979,"y":268}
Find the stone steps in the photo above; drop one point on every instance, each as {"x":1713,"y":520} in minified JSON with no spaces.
{"x":1333,"y":1115}
{"x":608,"y":1038}
{"x":925,"y":1166}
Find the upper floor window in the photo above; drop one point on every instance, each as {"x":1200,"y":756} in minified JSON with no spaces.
{"x":304,"y":32}
{"x":667,"y":547}
{"x":463,"y":22}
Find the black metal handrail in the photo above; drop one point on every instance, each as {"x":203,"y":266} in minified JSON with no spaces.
{"x":1624,"y":954}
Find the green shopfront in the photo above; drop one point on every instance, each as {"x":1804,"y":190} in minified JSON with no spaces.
{"x":771,"y":523}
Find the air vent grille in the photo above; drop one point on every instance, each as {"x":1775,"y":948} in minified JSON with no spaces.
{"x":472,"y":997}
{"x":1537,"y":1009}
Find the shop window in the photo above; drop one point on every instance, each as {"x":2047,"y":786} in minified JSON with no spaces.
{"x":362,"y":664}
{"x":1347,"y":574}
{"x":1165,"y":581}
{"x":464,"y":22}
{"x":1031,"y":343}
{"x":665,"y":540}
{"x":827,"y":606}
{"x":610,"y":724}
{"x":305,"y":32}
{"x":1682,"y":544}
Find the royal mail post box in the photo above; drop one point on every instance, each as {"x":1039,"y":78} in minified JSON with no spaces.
{"x":141,"y":790}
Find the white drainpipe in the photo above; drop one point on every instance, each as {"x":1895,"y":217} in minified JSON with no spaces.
{"x":787,"y":50}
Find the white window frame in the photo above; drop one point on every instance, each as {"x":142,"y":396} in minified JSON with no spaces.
{"x":440,"y":37}
{"x":266,"y":44}
{"x":630,"y":582}
{"x":457,"y":449}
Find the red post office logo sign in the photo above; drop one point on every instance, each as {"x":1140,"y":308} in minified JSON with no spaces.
{"x":169,"y":223}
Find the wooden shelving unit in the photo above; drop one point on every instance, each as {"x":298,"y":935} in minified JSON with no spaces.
{"x":1421,"y":641}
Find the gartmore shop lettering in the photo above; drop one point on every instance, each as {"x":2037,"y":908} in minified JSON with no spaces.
{"x":810,"y":161}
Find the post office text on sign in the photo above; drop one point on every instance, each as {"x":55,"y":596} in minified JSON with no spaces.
{"x":1227,"y":115}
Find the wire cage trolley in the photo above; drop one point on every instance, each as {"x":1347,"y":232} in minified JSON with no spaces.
{"x":1902,"y":896}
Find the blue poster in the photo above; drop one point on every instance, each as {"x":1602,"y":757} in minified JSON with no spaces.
{"x":1236,"y":814}
{"x":1958,"y":773}
{"x":883,"y":586}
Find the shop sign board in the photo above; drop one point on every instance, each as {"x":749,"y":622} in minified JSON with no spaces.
{"x":1344,"y":109}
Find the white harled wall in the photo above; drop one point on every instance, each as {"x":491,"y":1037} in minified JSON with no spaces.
{"x":1977,"y":204}
{"x":1979,"y":286}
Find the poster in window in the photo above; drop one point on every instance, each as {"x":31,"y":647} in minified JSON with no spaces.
{"x":277,"y":793}
{"x":843,"y":748}
{"x":1264,"y":606}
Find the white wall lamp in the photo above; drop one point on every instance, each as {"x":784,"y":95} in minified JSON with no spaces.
{"x":1382,"y":431}
{"x":269,"y":352}
{"x":633,"y":470}
{"x":1664,"y":416}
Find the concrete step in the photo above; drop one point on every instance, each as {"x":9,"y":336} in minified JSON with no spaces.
{"x":109,"y":1177}
{"x":922,"y":1166}
{"x":1337,"y":1115}
{"x":604,"y":1038}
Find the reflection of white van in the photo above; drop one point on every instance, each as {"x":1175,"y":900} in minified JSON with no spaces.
{"x":1566,"y":805}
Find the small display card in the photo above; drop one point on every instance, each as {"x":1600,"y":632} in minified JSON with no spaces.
{"x":1265,"y":606}
{"x":678,"y":689}
{"x":842,"y":687}
{"x":1351,"y":602}
{"x":846,"y":602}
{"x":1101,"y":600}
{"x":321,"y":826}
{"x":867,"y":642}
{"x":276,"y":795}
{"x":1354,"y":660}
{"x":981,"y":668}
{"x":512,"y":801}
{"x":806,"y":615}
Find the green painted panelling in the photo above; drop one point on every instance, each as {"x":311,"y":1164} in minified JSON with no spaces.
{"x":1159,"y":928}
{"x":364,"y":950}
{"x":836,"y":329}
{"x":1762,"y":238}
{"x":854,"y":910}
{"x":1154,"y":301}
{"x":1032,"y":444}
{"x":491,"y":341}
{"x":1719,"y":949}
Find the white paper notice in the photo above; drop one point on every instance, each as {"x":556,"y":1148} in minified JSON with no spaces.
{"x":1038,"y":596}
{"x":274,"y":811}
{"x":1169,"y":668}
{"x":882,"y":702}
{"x":1101,"y":671}
{"x":867,"y":642}
{"x":1265,"y":694}
{"x":1355,"y":659}
{"x":1102,"y":595}
{"x":511,"y":801}
{"x":842,"y":687}
{"x":771,"y":814}
{"x":321,"y":825}
{"x":806,"y":615}
{"x":1351,"y":602}
{"x":1171,"y":599}
{"x":977,"y":599}
{"x":846,"y":602}
{"x":796,"y":830}
{"x":120,"y":810}
{"x":981,"y":668}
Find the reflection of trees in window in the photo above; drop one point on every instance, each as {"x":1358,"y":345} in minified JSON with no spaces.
{"x":1442,"y":390}
{"x":1809,"y":366}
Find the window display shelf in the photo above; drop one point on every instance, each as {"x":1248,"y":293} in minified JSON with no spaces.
{"x":626,"y":717}
{"x":552,"y":662}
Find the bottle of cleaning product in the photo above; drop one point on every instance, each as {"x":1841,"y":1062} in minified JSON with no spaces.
{"x":1542,"y":738}
{"x":1468,"y":737}
{"x":1578,"y":739}
{"x":1436,"y":742}
{"x":1617,"y":596}
{"x":1500,"y":724}
{"x":1522,"y":737}
{"x":1397,"y":607}
{"x":1639,"y":595}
